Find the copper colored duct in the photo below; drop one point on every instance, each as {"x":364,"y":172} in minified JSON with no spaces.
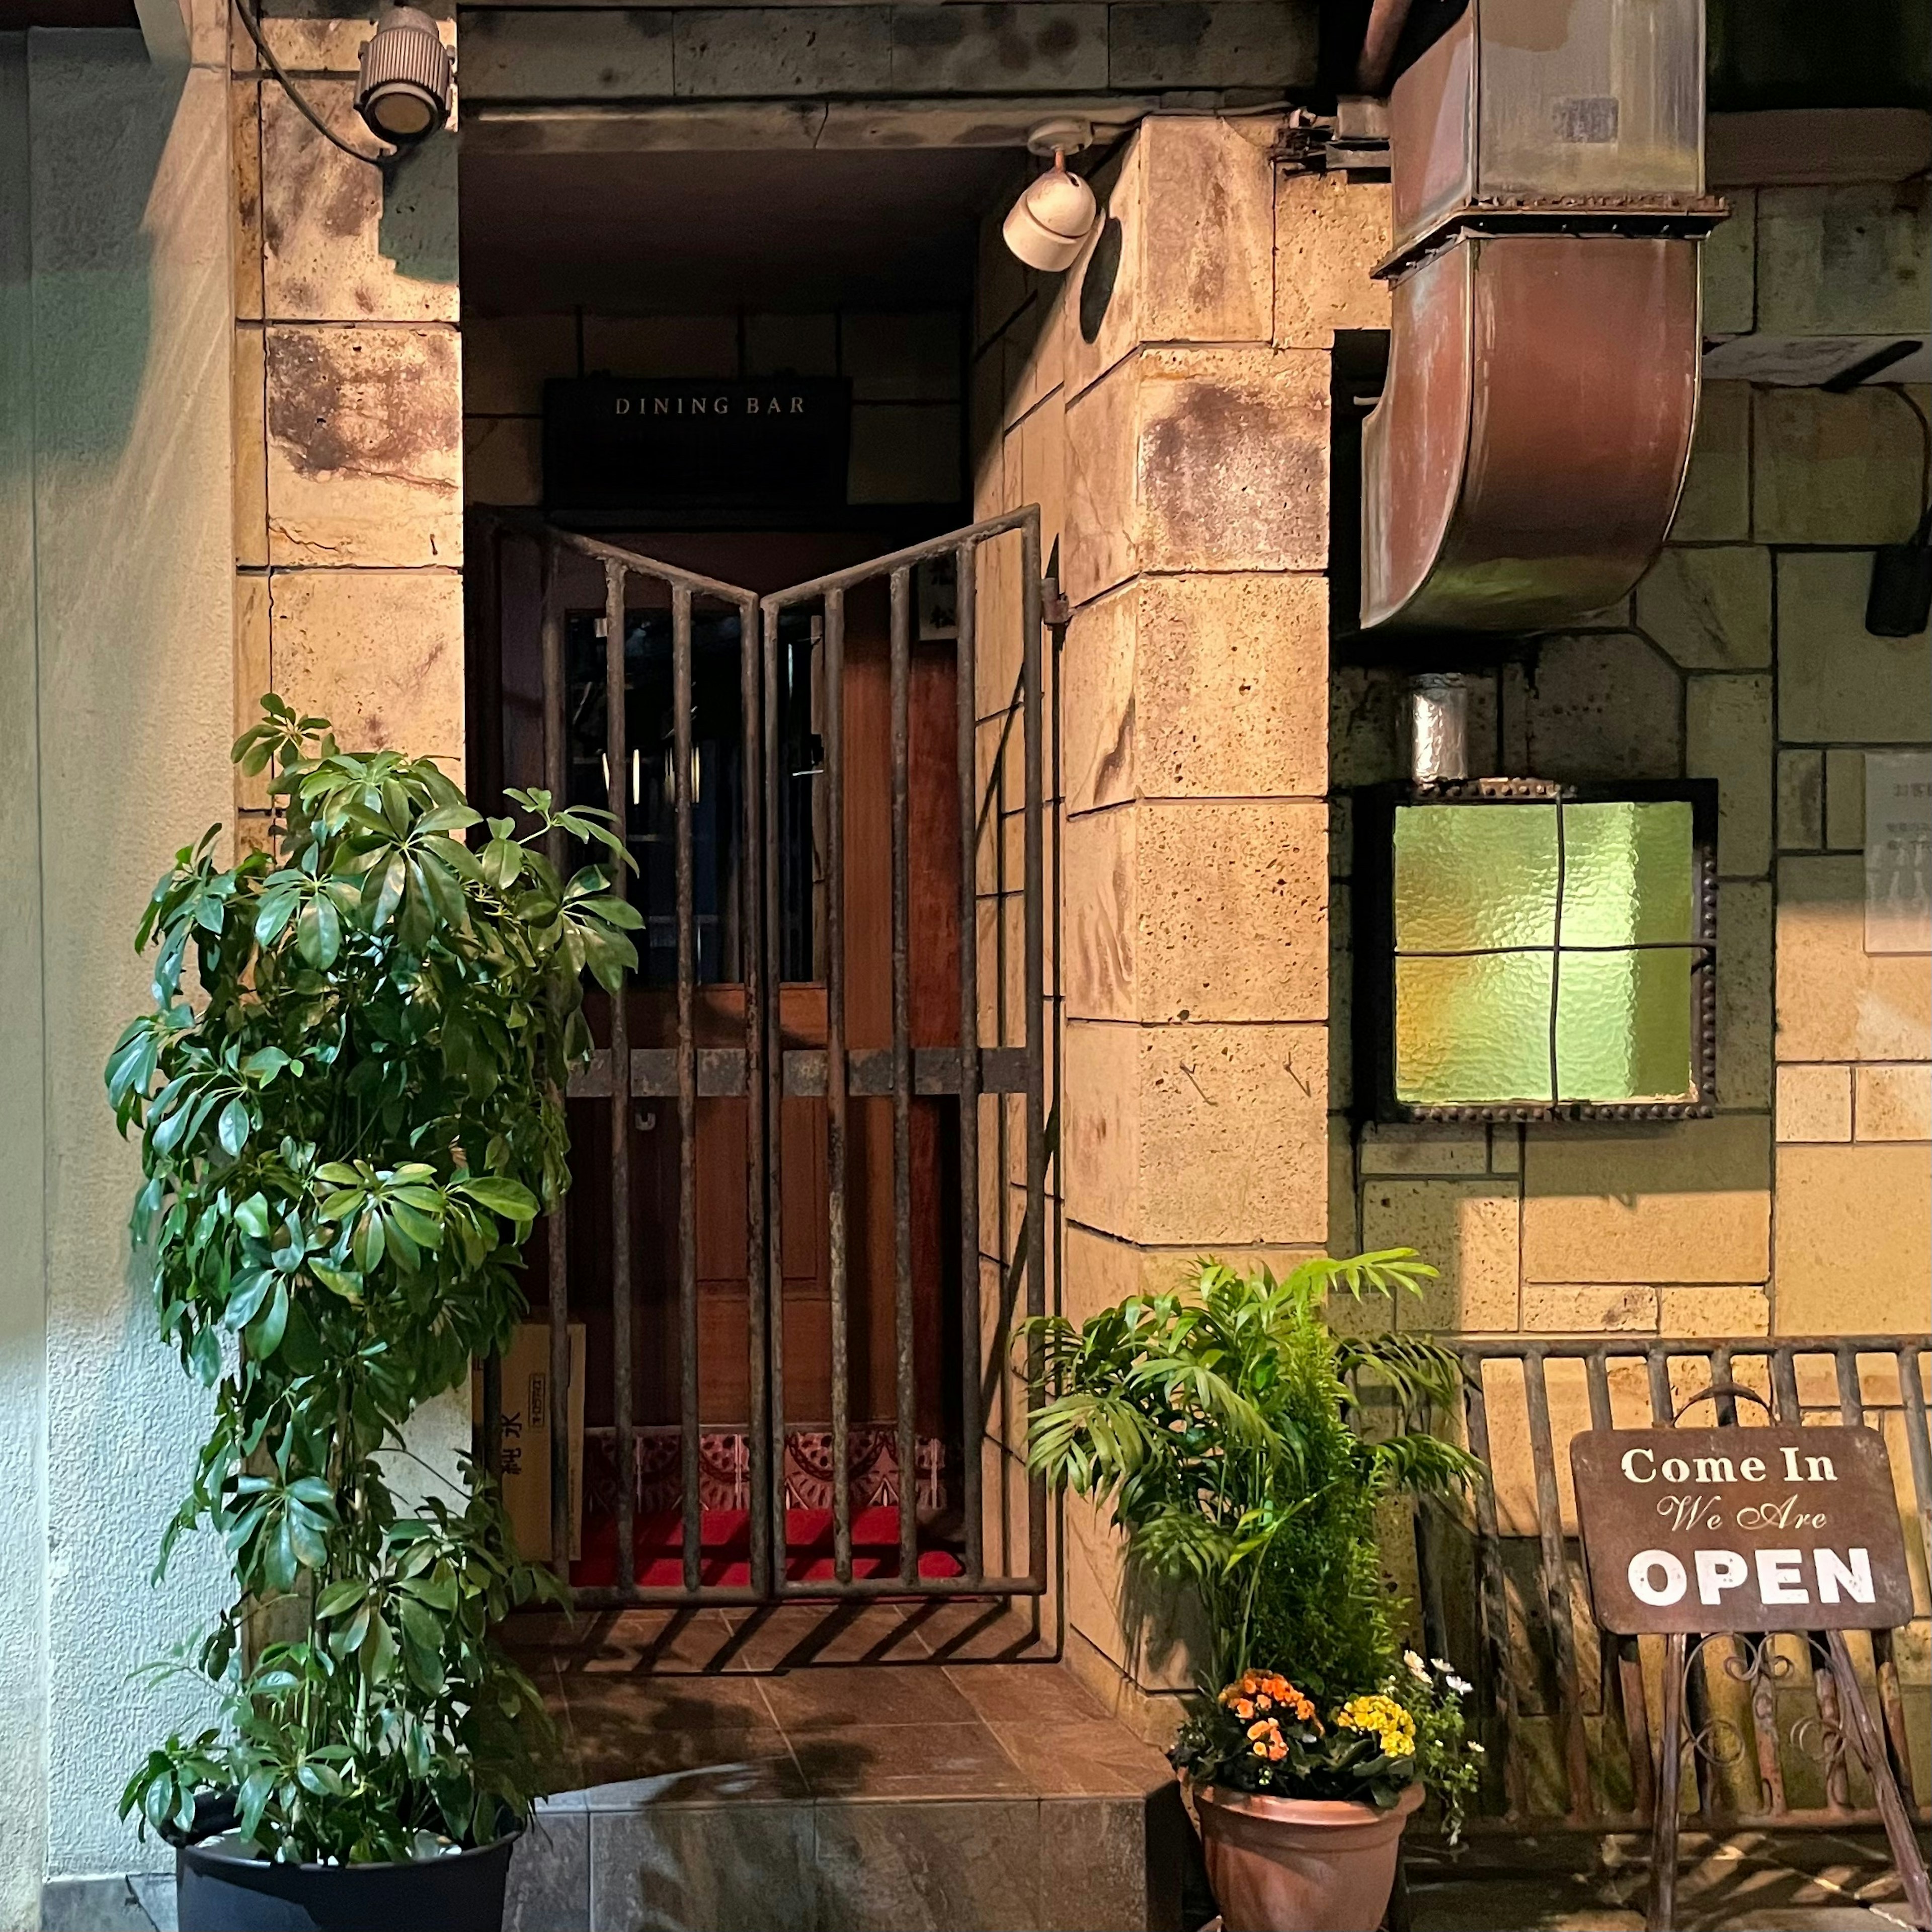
{"x":1522,"y":467}
{"x":1387,"y":19}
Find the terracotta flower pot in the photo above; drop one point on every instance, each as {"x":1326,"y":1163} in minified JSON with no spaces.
{"x":1300,"y":1864}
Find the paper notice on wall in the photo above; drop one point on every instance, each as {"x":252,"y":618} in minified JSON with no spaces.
{"x":1898,"y":851}
{"x":526,"y":1438}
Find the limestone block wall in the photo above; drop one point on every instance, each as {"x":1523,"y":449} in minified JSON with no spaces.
{"x":347,"y":366}
{"x":1166,"y":402}
{"x":1802,"y":1208}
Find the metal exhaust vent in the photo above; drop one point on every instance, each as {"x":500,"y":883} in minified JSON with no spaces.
{"x":1523,"y":465}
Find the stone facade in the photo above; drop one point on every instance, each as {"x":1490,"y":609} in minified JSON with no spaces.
{"x":1176,"y":432}
{"x":348,"y":379}
{"x":1166,"y":403}
{"x":279,"y":439}
{"x":1742,"y":657}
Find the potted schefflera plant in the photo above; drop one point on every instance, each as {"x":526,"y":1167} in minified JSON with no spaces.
{"x":1225,"y":1424}
{"x":349,"y":1117}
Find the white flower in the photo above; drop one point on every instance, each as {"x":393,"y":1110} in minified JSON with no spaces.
{"x":1442,"y":1664}
{"x":1477,"y":1748}
{"x":1416,"y":1667}
{"x":1460,"y":1685}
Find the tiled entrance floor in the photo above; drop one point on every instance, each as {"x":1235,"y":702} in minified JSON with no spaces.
{"x":1752,"y":1882}
{"x":832,"y":1770}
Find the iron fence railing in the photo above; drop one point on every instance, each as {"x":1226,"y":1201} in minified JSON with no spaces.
{"x":1569,"y":1715}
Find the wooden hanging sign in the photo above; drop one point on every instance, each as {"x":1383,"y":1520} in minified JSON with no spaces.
{"x":1740,"y":1529}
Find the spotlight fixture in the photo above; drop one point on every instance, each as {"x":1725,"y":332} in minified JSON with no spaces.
{"x":403,"y":90}
{"x":1056,"y":211}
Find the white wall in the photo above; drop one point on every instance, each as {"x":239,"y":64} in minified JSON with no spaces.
{"x":116,"y":648}
{"x":22,"y":1320}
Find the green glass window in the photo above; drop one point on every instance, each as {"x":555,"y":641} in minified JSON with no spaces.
{"x":1549,"y":953}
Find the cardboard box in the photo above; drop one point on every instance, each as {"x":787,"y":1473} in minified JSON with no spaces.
{"x":527,"y":1437}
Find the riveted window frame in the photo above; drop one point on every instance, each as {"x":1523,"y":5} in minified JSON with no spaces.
{"x":1374,"y":810}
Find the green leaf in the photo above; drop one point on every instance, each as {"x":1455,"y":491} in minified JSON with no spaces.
{"x":246,"y":1297}
{"x":448,"y":818}
{"x":232,"y":1129}
{"x":318,"y":932}
{"x":395,"y":877}
{"x":273,"y":912}
{"x":340,"y":1597}
{"x":204,"y":1356}
{"x":263,"y":1337}
{"x":337,"y":1281}
{"x":510,"y":1198}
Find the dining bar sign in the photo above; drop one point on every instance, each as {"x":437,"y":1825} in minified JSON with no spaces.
{"x":1740,"y":1529}
{"x":656,"y":452}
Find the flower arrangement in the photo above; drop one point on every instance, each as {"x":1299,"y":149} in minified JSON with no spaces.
{"x":1226,"y":1425}
{"x":1261,"y":1734}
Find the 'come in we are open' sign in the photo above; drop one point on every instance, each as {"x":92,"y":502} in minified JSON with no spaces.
{"x":1740,"y":1529}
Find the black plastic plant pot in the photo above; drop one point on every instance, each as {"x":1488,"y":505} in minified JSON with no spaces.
{"x":219,"y":1889}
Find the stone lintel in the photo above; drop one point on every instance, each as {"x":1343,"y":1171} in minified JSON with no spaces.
{"x":983,"y":120}
{"x":1043,"y":47}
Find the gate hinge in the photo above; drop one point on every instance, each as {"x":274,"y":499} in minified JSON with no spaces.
{"x":1055,"y":609}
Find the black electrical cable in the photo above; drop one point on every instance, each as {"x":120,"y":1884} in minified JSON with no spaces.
{"x":295,"y":94}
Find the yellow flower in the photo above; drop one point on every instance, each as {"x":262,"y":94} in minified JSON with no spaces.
{"x":1383,"y":1719}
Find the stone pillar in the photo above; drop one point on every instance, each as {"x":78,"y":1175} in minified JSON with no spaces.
{"x":1181,"y":375}
{"x":348,"y":413}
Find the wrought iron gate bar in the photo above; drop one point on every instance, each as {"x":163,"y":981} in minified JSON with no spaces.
{"x":1686,"y":1717}
{"x":764,"y":1073}
{"x":936,"y":1071}
{"x":905,"y":1392}
{"x":903,"y":1071}
{"x":623,"y":1284}
{"x":970,"y":1071}
{"x":687,"y":1079}
{"x":555,"y":758}
{"x":836,"y":1122}
{"x":1033,"y":901}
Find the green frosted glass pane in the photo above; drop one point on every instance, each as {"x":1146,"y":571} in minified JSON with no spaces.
{"x":1473,"y":1030}
{"x":1623,"y":1026}
{"x":1628,"y":874}
{"x":1468,"y":877}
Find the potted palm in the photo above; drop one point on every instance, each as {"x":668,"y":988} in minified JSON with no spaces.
{"x":1224,"y":1424}
{"x":347,"y":1093}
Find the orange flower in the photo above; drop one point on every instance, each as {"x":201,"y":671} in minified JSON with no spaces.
{"x":1297,"y":1702}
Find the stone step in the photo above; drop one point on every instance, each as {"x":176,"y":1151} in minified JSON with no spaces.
{"x":725,"y":1773}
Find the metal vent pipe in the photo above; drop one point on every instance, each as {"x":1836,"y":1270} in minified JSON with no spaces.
{"x":1546,"y":171}
{"x":1438,"y":726}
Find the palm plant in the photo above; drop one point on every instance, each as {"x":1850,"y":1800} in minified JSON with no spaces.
{"x":349,"y":1093}
{"x":1232,"y":1431}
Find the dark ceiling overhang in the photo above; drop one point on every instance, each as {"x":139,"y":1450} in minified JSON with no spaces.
{"x":17,"y":16}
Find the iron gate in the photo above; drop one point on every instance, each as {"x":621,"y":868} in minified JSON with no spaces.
{"x":762,"y":1071}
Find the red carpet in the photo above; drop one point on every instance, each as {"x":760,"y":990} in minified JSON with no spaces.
{"x":726,"y":1547}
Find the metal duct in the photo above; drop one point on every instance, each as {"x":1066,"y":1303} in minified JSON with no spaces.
{"x":1522,"y":467}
